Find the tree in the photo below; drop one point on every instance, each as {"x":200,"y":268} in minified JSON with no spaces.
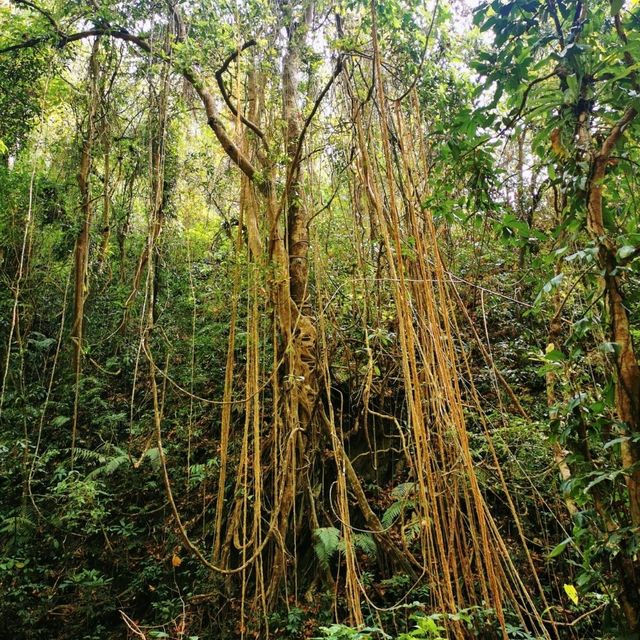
{"x":573,"y":77}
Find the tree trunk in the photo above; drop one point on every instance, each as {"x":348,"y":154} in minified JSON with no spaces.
{"x":298,"y":331}
{"x":627,"y":372}
{"x":106,"y":204}
{"x":297,"y":229}
{"x":81,"y":259}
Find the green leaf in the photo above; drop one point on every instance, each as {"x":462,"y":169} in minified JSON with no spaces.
{"x":479,"y":15}
{"x":608,"y":347}
{"x":488,"y":24}
{"x":555,"y":356}
{"x":572,"y":81}
{"x":601,"y":477}
{"x":554,"y":283}
{"x":615,"y":441}
{"x":625,"y":251}
{"x":556,"y":551}
{"x":616,"y":5}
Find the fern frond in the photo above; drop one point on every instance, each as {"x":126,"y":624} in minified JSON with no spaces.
{"x":114,"y":464}
{"x":366,"y":543}
{"x":110,"y":464}
{"x":327,"y":540}
{"x":88,"y":455}
{"x":404,"y":489}
{"x":395,"y":510}
{"x":19,"y":524}
{"x":412,"y":530}
{"x":153,"y":456}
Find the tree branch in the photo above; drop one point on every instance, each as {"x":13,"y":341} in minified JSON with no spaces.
{"x":553,"y":10}
{"x":295,"y":161}
{"x":616,"y":132}
{"x":227,"y":98}
{"x":230,"y":148}
{"x":309,"y":118}
{"x":60,"y":40}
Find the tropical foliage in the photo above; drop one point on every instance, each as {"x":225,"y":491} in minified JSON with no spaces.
{"x":319,"y":319}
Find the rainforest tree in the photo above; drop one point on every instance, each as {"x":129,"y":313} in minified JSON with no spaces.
{"x":574,"y":83}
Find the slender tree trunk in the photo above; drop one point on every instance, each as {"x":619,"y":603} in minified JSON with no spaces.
{"x":81,"y":258}
{"x":627,"y":372}
{"x":554,"y":338}
{"x":159,"y":188}
{"x":106,"y":204}
{"x":559,"y":455}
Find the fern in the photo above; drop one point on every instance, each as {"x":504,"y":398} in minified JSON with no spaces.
{"x":60,"y":421}
{"x":404,"y":489}
{"x":109,"y":464}
{"x":200,"y":472}
{"x":395,"y":511}
{"x":153,"y":456}
{"x":362,"y":541}
{"x":342,"y":632}
{"x":327,"y":542}
{"x":114,"y":464}
{"x":17,"y":525}
{"x":412,"y":530}
{"x":88,"y":455}
{"x":366,"y":543}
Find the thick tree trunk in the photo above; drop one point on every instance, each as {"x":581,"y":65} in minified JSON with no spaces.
{"x":297,"y":230}
{"x":298,"y":329}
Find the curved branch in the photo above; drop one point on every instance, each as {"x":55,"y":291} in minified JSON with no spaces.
{"x":295,"y":161}
{"x":225,"y":94}
{"x":234,"y":54}
{"x":213,"y":120}
{"x":316,"y":105}
{"x":60,"y":39}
